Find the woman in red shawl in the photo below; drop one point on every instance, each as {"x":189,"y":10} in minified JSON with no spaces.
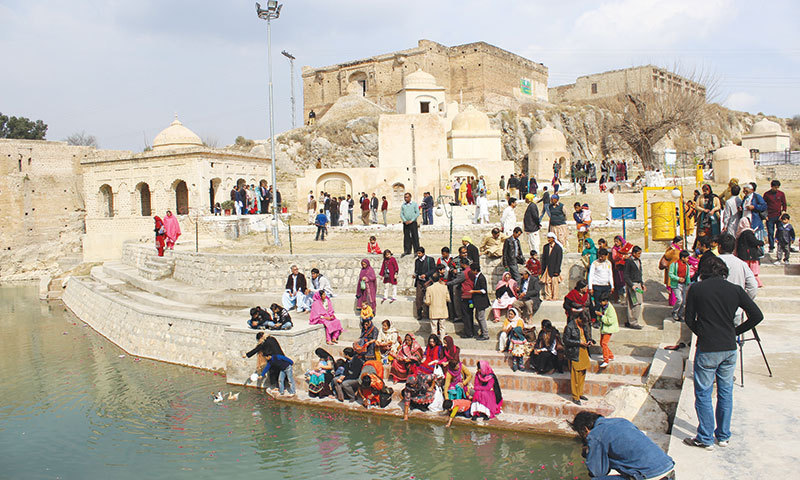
{"x":434,"y":355}
{"x":322,"y":314}
{"x":487,"y":400}
{"x":406,"y":360}
{"x":160,"y":235}
{"x":470,"y":197}
{"x":619,"y":254}
{"x":172,"y":229}
{"x":577,"y":302}
{"x":367,"y":286}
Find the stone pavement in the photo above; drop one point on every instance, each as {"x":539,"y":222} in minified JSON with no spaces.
{"x":766,"y":426}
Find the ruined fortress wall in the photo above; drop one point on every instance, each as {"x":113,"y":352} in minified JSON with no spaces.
{"x":474,"y":71}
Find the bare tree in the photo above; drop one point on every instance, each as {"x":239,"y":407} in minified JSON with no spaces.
{"x":82,"y":139}
{"x":641,"y":118}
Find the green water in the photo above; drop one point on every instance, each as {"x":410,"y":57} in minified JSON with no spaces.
{"x":74,"y":406}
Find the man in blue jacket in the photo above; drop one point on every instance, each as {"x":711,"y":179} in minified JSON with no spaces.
{"x":616,"y":443}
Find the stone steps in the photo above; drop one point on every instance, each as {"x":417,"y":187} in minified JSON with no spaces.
{"x":778,"y":280}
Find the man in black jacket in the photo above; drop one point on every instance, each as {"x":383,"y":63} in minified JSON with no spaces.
{"x":704,"y":247}
{"x":635,"y":287}
{"x":460,"y":310}
{"x":512,"y":254}
{"x":347,"y":385}
{"x":296,"y":291}
{"x":552,"y":255}
{"x":424,"y":268}
{"x":710,"y":311}
{"x":529,"y":298}
{"x":472,"y":252}
{"x":480,"y":302}
{"x":531,"y":224}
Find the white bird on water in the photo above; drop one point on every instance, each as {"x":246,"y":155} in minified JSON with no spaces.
{"x":233,"y":396}
{"x":217,"y":397}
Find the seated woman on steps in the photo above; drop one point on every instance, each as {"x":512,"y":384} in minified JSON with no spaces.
{"x":487,"y":400}
{"x":388,"y":343}
{"x":322,"y":314}
{"x":407,"y":359}
{"x":434,"y":355}
{"x":320,"y":378}
{"x":548,"y":350}
{"x":511,"y":320}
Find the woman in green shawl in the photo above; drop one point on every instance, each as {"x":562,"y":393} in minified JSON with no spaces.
{"x":589,"y":254}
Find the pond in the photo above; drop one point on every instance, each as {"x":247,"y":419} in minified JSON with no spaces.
{"x":75,"y":406}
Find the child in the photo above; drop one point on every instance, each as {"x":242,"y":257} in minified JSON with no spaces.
{"x":456,"y":407}
{"x":785,"y":236}
{"x":259,"y":319}
{"x":317,"y":375}
{"x":602,"y":244}
{"x":533,"y":265}
{"x":284,"y":367}
{"x":519,"y":347}
{"x":388,"y":272}
{"x":608,"y":325}
{"x":217,"y":209}
{"x":372,"y":246}
{"x":679,"y":280}
{"x":580,"y":215}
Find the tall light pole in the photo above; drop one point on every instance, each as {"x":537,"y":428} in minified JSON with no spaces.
{"x":291,"y":67}
{"x":273,"y":11}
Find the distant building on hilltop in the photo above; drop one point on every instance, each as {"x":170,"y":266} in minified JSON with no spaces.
{"x":647,"y":78}
{"x":480,"y":74}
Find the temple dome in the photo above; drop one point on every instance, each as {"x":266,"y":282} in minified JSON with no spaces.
{"x":471,"y":119}
{"x":176,"y":136}
{"x":548,"y":139}
{"x":419,"y":79}
{"x":765,"y":127}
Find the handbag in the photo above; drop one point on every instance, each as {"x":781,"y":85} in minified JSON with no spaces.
{"x":363,"y":284}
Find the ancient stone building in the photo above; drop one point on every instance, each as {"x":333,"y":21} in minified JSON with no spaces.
{"x":766,"y":136}
{"x":647,"y":78}
{"x":124,"y":190}
{"x":480,"y":74}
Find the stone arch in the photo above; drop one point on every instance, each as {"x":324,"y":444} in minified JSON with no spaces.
{"x":106,"y":201}
{"x":463,"y":170}
{"x":143,"y":200}
{"x":357,"y":81}
{"x":213,"y":190}
{"x":181,"y":191}
{"x":398,"y":191}
{"x":335,"y":183}
{"x":564,"y":166}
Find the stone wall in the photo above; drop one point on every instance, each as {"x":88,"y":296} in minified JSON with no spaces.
{"x":268,"y":272}
{"x":779,"y":172}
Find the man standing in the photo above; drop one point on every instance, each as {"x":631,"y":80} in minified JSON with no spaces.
{"x":545,"y":201}
{"x":456,"y":285}
{"x":294,"y":295}
{"x":558,"y":220}
{"x":350,"y":204}
{"x":472,"y":252}
{"x":616,"y":443}
{"x":365,"y":210}
{"x":311,"y":208}
{"x":263,"y":195}
{"x":437,"y":298}
{"x":635,"y":287}
{"x":480,"y":302}
{"x":531,"y":223}
{"x":738,"y":271}
{"x":502,"y":183}
{"x":512,"y":254}
{"x":373,"y":207}
{"x":710,"y":310}
{"x":601,"y":278}
{"x":384,"y":209}
{"x":512,"y":185}
{"x":427,"y":209}
{"x":776,"y":206}
{"x":733,"y":211}
{"x":409,"y":212}
{"x":509,"y":219}
{"x":552,"y":255}
{"x":321,"y":223}
{"x":424,"y":268}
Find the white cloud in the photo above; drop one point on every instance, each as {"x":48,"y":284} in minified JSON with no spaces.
{"x":741,"y":101}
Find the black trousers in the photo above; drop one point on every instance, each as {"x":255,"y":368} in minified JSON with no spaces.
{"x":597,"y":292}
{"x":467,"y":315}
{"x":410,"y":237}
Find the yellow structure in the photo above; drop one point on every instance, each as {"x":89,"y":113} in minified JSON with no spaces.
{"x":660,"y":215}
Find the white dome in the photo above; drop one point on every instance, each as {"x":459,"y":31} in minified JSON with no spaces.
{"x":764,"y":127}
{"x":419,"y":79}
{"x":176,"y":136}
{"x":549,"y":139}
{"x":471,"y":119}
{"x":731,"y":152}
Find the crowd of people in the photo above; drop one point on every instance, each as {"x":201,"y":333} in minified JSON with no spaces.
{"x":250,"y":200}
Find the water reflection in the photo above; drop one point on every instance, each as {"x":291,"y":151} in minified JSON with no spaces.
{"x":76,"y":406}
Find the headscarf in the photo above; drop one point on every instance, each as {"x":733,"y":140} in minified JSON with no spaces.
{"x":517,"y":334}
{"x":744,"y":224}
{"x":509,"y":282}
{"x":172,"y":227}
{"x":367,"y":271}
{"x":466,"y":238}
{"x":451,"y":351}
{"x":322,"y":354}
{"x":318,"y":309}
{"x":159,"y":224}
{"x":408,"y":350}
{"x":485,"y":375}
{"x":591,"y":250}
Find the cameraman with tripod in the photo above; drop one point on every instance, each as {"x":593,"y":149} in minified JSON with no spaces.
{"x":710,"y":312}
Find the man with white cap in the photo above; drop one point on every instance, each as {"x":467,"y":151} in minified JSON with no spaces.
{"x":552,"y":255}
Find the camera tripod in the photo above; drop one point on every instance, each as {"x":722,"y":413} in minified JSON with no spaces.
{"x":741,"y":340}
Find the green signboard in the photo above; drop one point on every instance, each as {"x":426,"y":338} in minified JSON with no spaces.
{"x":525,"y":86}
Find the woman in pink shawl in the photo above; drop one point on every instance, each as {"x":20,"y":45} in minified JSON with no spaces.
{"x":322,"y":314}
{"x":406,"y":360}
{"x":488,"y":399}
{"x":367,"y":286}
{"x":173,"y":229}
{"x":505,"y":295}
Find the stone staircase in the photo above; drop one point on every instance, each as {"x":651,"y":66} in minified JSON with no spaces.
{"x":155,"y":268}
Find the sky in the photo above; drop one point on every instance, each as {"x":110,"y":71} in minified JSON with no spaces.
{"x":121,"y":70}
